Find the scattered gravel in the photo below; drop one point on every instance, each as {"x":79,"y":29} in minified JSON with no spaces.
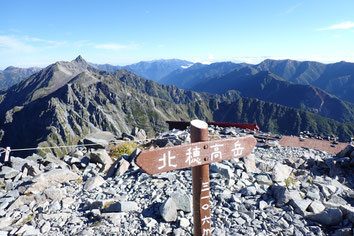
{"x":274,"y":191}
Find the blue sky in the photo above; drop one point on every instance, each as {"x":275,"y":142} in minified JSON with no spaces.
{"x":38,"y":33}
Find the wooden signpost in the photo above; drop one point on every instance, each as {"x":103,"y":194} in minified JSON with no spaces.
{"x":197,"y":155}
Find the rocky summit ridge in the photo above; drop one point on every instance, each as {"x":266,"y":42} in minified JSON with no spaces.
{"x":273,"y":191}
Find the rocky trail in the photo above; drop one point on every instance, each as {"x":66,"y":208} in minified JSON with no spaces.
{"x":274,"y":191}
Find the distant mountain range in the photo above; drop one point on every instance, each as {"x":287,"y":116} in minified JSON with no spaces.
{"x":153,"y":70}
{"x":12,"y":75}
{"x":336,"y":79}
{"x":67,"y":100}
{"x":267,"y":86}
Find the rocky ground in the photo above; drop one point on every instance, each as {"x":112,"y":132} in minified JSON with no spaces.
{"x":274,"y":191}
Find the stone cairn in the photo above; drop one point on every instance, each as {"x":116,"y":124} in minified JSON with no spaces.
{"x":274,"y":191}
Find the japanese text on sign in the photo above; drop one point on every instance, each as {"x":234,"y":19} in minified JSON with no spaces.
{"x":195,"y":154}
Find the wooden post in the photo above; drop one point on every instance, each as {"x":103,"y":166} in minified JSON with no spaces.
{"x":201,"y":185}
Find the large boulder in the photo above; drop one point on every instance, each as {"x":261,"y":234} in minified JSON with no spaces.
{"x":328,"y":217}
{"x":101,"y":156}
{"x":49,"y":179}
{"x":168,"y":210}
{"x":93,"y":182}
{"x":281,"y":172}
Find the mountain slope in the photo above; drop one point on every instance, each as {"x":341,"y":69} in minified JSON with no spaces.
{"x":294,"y":71}
{"x":152,"y":70}
{"x":268,"y":87}
{"x":336,"y":78}
{"x":157,"y":69}
{"x":280,"y":119}
{"x":106,"y":67}
{"x":13,"y":75}
{"x":188,"y":78}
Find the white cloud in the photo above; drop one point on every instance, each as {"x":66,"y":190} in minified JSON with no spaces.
{"x":343,"y":25}
{"x":291,"y":9}
{"x":249,"y":60}
{"x":14,"y":44}
{"x":211,"y":57}
{"x":83,"y":43}
{"x":112,"y":46}
{"x":49,"y":42}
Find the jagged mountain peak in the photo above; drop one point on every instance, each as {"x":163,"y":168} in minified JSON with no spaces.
{"x":80,"y":60}
{"x":47,"y":81}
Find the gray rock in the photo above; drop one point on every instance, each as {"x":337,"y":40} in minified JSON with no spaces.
{"x":327,"y":217}
{"x":53,"y":194}
{"x":55,"y":206}
{"x":168,"y":210}
{"x":32,"y":170}
{"x":224,"y":196}
{"x":5,"y":222}
{"x":163,"y":142}
{"x":3,"y":233}
{"x":52,"y":162}
{"x":263,"y":179}
{"x":67,"y":202}
{"x":118,"y":168}
{"x":183,"y":222}
{"x":139,"y":134}
{"x":222,"y":169}
{"x":316,"y":207}
{"x":348,"y":212}
{"x":149,"y":222}
{"x":262,"y":205}
{"x":93,"y":182}
{"x":95,"y":143}
{"x":20,"y":201}
{"x":346,"y":151}
{"x":183,"y":201}
{"x":27,"y":230}
{"x":249,"y":191}
{"x":250,"y":164}
{"x":240,"y":221}
{"x":300,"y":205}
{"x":134,"y":154}
{"x":281,"y":172}
{"x":8,"y":172}
{"x":336,"y":200}
{"x":281,"y":195}
{"x":101,"y":156}
{"x":45,"y":227}
{"x":50,"y":178}
{"x":74,"y":160}
{"x":295,"y":162}
{"x":122,"y":207}
{"x":17,"y":163}
{"x":313,"y":193}
{"x":122,"y":167}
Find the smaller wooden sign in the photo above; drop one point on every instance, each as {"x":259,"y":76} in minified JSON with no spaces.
{"x":194,"y":154}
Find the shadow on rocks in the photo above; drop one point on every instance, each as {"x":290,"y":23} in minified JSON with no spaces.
{"x":153,"y":212}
